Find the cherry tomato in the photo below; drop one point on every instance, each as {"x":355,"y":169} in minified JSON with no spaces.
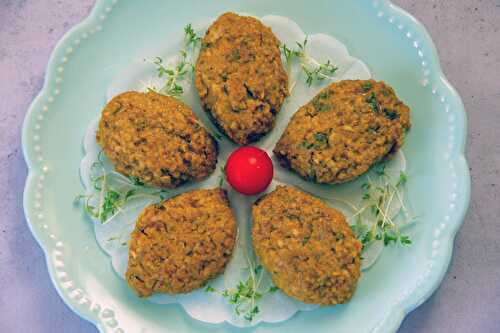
{"x":249,"y":170}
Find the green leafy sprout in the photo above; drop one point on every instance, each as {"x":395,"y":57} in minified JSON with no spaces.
{"x":190,"y":35}
{"x":374,"y":220}
{"x":313,"y":69}
{"x":222,"y":177}
{"x":112,"y":191}
{"x":184,"y":66}
{"x":245,"y":294}
{"x":378,"y":198}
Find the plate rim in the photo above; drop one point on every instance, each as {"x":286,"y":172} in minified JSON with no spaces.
{"x":391,"y":320}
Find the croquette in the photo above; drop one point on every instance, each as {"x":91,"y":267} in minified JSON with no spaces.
{"x":344,"y":130}
{"x":240,"y":77}
{"x":156,"y":139}
{"x":181,"y":243}
{"x":307,"y":246}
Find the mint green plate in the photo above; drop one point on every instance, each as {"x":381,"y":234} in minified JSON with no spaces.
{"x":392,"y":43}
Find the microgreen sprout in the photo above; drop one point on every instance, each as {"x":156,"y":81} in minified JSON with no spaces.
{"x":245,"y":294}
{"x":112,"y":191}
{"x":190,"y":35}
{"x":177,"y":73}
{"x":222,"y":176}
{"x":379,"y":196}
{"x":374,"y":217}
{"x":312,"y":68}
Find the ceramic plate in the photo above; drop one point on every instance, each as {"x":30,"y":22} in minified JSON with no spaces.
{"x":395,"y":47}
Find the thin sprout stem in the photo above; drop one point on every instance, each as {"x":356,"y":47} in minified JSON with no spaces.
{"x":143,"y":195}
{"x":292,"y":86}
{"x":87,"y":204}
{"x":310,"y":59}
{"x":252,"y":272}
{"x":361,"y":210}
{"x":345,"y":202}
{"x":384,"y":216}
{"x":122,"y":177}
{"x":389,"y":202}
{"x":118,"y":211}
{"x":400,"y":198}
{"x":370,"y":181}
{"x":316,"y":63}
{"x":101,"y":197}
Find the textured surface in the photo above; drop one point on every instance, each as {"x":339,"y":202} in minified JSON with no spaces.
{"x":156,"y":138}
{"x":466,"y":34}
{"x":243,"y":91}
{"x":307,"y":246}
{"x":343,"y":131}
{"x":181,"y":243}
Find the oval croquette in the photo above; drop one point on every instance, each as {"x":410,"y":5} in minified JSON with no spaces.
{"x":240,"y":77}
{"x":343,"y":131}
{"x":181,"y":243}
{"x":156,"y":139}
{"x":307,"y":246}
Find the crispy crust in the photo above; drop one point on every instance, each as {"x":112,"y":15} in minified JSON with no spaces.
{"x":181,"y":243}
{"x":343,"y":131}
{"x":240,"y":77}
{"x":307,"y":246}
{"x":156,"y":138}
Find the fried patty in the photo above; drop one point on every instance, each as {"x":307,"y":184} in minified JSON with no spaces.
{"x":343,"y":131}
{"x":307,"y":246}
{"x":181,"y":243}
{"x":240,"y":77}
{"x":156,"y":139}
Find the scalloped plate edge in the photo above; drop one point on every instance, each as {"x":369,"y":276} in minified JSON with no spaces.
{"x":29,"y":186}
{"x":392,"y":319}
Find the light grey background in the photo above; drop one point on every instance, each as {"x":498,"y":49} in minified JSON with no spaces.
{"x":468,"y":39}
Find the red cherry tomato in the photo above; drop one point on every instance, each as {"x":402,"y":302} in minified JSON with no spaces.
{"x":249,"y":170}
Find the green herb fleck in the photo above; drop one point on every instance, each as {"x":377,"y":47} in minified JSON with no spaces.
{"x":367,"y":86}
{"x":324,"y":95}
{"x":366,"y":186}
{"x":307,"y":145}
{"x":321,"y":137}
{"x":390,"y":237}
{"x":209,"y":289}
{"x":372,"y":101}
{"x":390,"y":114}
{"x":320,"y":106}
{"x":273,"y":289}
{"x":405,"y":240}
{"x":403,"y":178}
{"x":136,"y":181}
{"x":385,"y":92}
{"x":234,"y":55}
{"x":381,"y":172}
{"x":118,"y":109}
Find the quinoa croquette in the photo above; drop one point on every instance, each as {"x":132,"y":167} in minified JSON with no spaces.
{"x":240,"y":77}
{"x":343,"y":131}
{"x":181,"y":243}
{"x":307,"y":246}
{"x":156,"y":139}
